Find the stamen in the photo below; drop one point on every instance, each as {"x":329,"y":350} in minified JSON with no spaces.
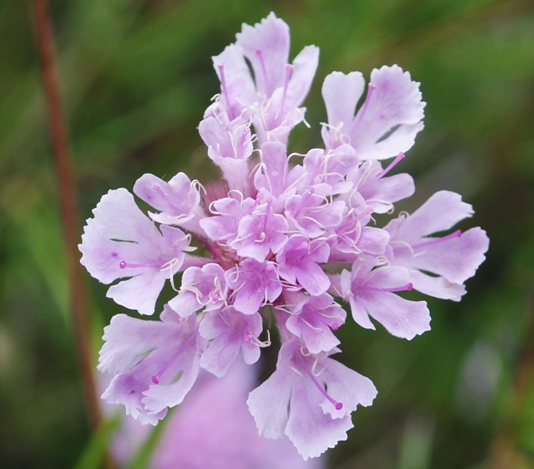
{"x":257,"y":202}
{"x":193,"y":289}
{"x":259,"y":54}
{"x":262,"y":237}
{"x":408,"y":286}
{"x":311,"y":326}
{"x":217,"y":294}
{"x":382,"y":173}
{"x":160,"y":191}
{"x":214,"y":298}
{"x":157,"y":377}
{"x":241,"y":142}
{"x":250,"y":339}
{"x":339,"y":135}
{"x":237,"y":193}
{"x":124,"y":265}
{"x":224,"y":89}
{"x":284,"y":308}
{"x":289,"y":71}
{"x":322,"y":390}
{"x":363,"y":109}
{"x":266,"y":215}
{"x":432,"y":241}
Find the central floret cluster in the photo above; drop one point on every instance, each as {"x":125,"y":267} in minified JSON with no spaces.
{"x":280,"y":242}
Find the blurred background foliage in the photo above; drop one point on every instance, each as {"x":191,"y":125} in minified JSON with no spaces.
{"x":136,"y":76}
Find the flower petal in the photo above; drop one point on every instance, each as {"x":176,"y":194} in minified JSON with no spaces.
{"x":401,"y":317}
{"x":311,"y":430}
{"x":439,"y":213}
{"x":456,"y":258}
{"x":266,"y":46}
{"x":395,"y":106}
{"x":438,"y":287}
{"x":341,"y":94}
{"x":305,"y":65}
{"x":269,"y":402}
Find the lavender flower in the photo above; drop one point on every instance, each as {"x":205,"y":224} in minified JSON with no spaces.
{"x":282,"y":242}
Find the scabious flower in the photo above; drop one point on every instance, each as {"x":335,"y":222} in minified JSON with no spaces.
{"x":283,"y":247}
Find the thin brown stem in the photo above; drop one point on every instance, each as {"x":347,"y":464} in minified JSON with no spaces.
{"x":67,"y":203}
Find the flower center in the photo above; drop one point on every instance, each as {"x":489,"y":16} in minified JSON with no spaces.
{"x":259,"y":55}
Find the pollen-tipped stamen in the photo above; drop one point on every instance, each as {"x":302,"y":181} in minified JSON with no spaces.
{"x":259,"y":55}
{"x":157,"y":377}
{"x":124,"y":265}
{"x":224,"y":90}
{"x":250,"y":339}
{"x":322,"y":390}
{"x":156,"y":188}
{"x":266,"y":216}
{"x":382,"y":173}
{"x":363,"y":110}
{"x":432,"y":241}
{"x":289,"y":71}
{"x":407,"y":287}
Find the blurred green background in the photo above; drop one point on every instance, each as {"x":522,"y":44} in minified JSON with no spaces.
{"x":136,"y":76}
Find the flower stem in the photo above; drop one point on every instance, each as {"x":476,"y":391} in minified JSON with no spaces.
{"x":68,"y":209}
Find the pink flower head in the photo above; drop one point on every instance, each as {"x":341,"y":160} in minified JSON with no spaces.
{"x":283,"y":239}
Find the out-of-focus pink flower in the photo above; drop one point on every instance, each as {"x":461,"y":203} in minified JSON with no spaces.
{"x":211,"y":429}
